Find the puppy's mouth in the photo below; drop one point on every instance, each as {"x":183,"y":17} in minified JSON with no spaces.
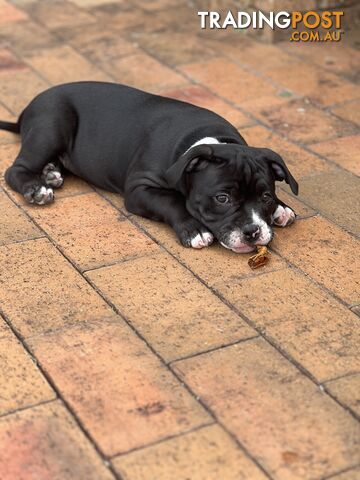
{"x":236,"y":241}
{"x":243,"y":248}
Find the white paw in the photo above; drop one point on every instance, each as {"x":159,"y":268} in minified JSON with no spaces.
{"x":202,"y":240}
{"x":38,"y":194}
{"x":283,"y":217}
{"x":52,"y":176}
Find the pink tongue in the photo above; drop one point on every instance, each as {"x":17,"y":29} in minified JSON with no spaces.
{"x":244,"y":249}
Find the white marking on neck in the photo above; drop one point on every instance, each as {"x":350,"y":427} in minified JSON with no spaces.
{"x":205,"y":141}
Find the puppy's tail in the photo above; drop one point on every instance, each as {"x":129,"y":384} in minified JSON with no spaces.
{"x":10,"y":126}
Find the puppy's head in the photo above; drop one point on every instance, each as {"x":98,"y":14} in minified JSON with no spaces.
{"x":230,"y":189}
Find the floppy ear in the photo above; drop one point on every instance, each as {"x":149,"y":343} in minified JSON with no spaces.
{"x":280,"y":169}
{"x":193,"y":160}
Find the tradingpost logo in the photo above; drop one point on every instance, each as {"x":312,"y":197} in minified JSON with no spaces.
{"x":308,"y":26}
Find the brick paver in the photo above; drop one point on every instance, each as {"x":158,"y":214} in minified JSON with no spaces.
{"x":326,"y":253}
{"x":121,"y":392}
{"x":105,"y":236}
{"x":56,"y":294}
{"x":169,"y":307}
{"x":207,"y":454}
{"x":15,"y":226}
{"x":22,"y":384}
{"x":305,"y":322}
{"x":125,"y":355}
{"x":347,"y":391}
{"x":45,"y":442}
{"x":238,"y":381}
{"x":343,"y":151}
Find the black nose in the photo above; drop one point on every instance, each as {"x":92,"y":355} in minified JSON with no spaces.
{"x":251,"y":232}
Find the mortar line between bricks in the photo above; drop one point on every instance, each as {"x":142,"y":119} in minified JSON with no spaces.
{"x":213,"y":349}
{"x":29,"y":407}
{"x":252,"y":324}
{"x":339,"y":472}
{"x":340,"y":377}
{"x":162,"y":440}
{"x":15,"y":242}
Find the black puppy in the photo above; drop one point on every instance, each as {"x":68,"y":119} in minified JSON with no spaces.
{"x":173,"y":161}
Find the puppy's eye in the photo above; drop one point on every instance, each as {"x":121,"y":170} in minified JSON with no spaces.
{"x":222,"y":198}
{"x":267,"y":197}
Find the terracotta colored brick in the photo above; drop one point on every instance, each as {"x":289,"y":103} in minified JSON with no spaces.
{"x":115,"y":199}
{"x":211,"y":264}
{"x":304,"y":123}
{"x":8,"y":153}
{"x":263,"y":399}
{"x":259,"y":106}
{"x":207,"y":454}
{"x":308,"y":324}
{"x":18,"y":89}
{"x":91,"y":232}
{"x":201,"y":97}
{"x":44,"y":442}
{"x":336,"y":195}
{"x":90,"y":3}
{"x":153,"y":5}
{"x":352,"y":474}
{"x":300,"y":162}
{"x":121,"y":392}
{"x":301,"y":210}
{"x":72,"y":186}
{"x":49,"y":293}
{"x":344,"y":151}
{"x":319,"y":85}
{"x":10,"y":14}
{"x":6,"y":137}
{"x":9,"y":63}
{"x":63,"y":64}
{"x":325,"y":252}
{"x":26,"y":36}
{"x":15,"y":225}
{"x":142,"y":71}
{"x":98,"y":45}
{"x":228,"y":80}
{"x":175,"y":313}
{"x":338,"y":57}
{"x":258,"y":56}
{"x":347,"y":391}
{"x":188,"y":47}
{"x":119,"y":18}
{"x":349,"y":111}
{"x":21,"y":382}
{"x":58,"y":14}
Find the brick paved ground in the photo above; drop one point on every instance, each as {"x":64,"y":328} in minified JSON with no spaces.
{"x":124,"y":355}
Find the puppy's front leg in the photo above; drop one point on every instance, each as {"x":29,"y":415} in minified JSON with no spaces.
{"x":283,"y":214}
{"x":169,"y":206}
